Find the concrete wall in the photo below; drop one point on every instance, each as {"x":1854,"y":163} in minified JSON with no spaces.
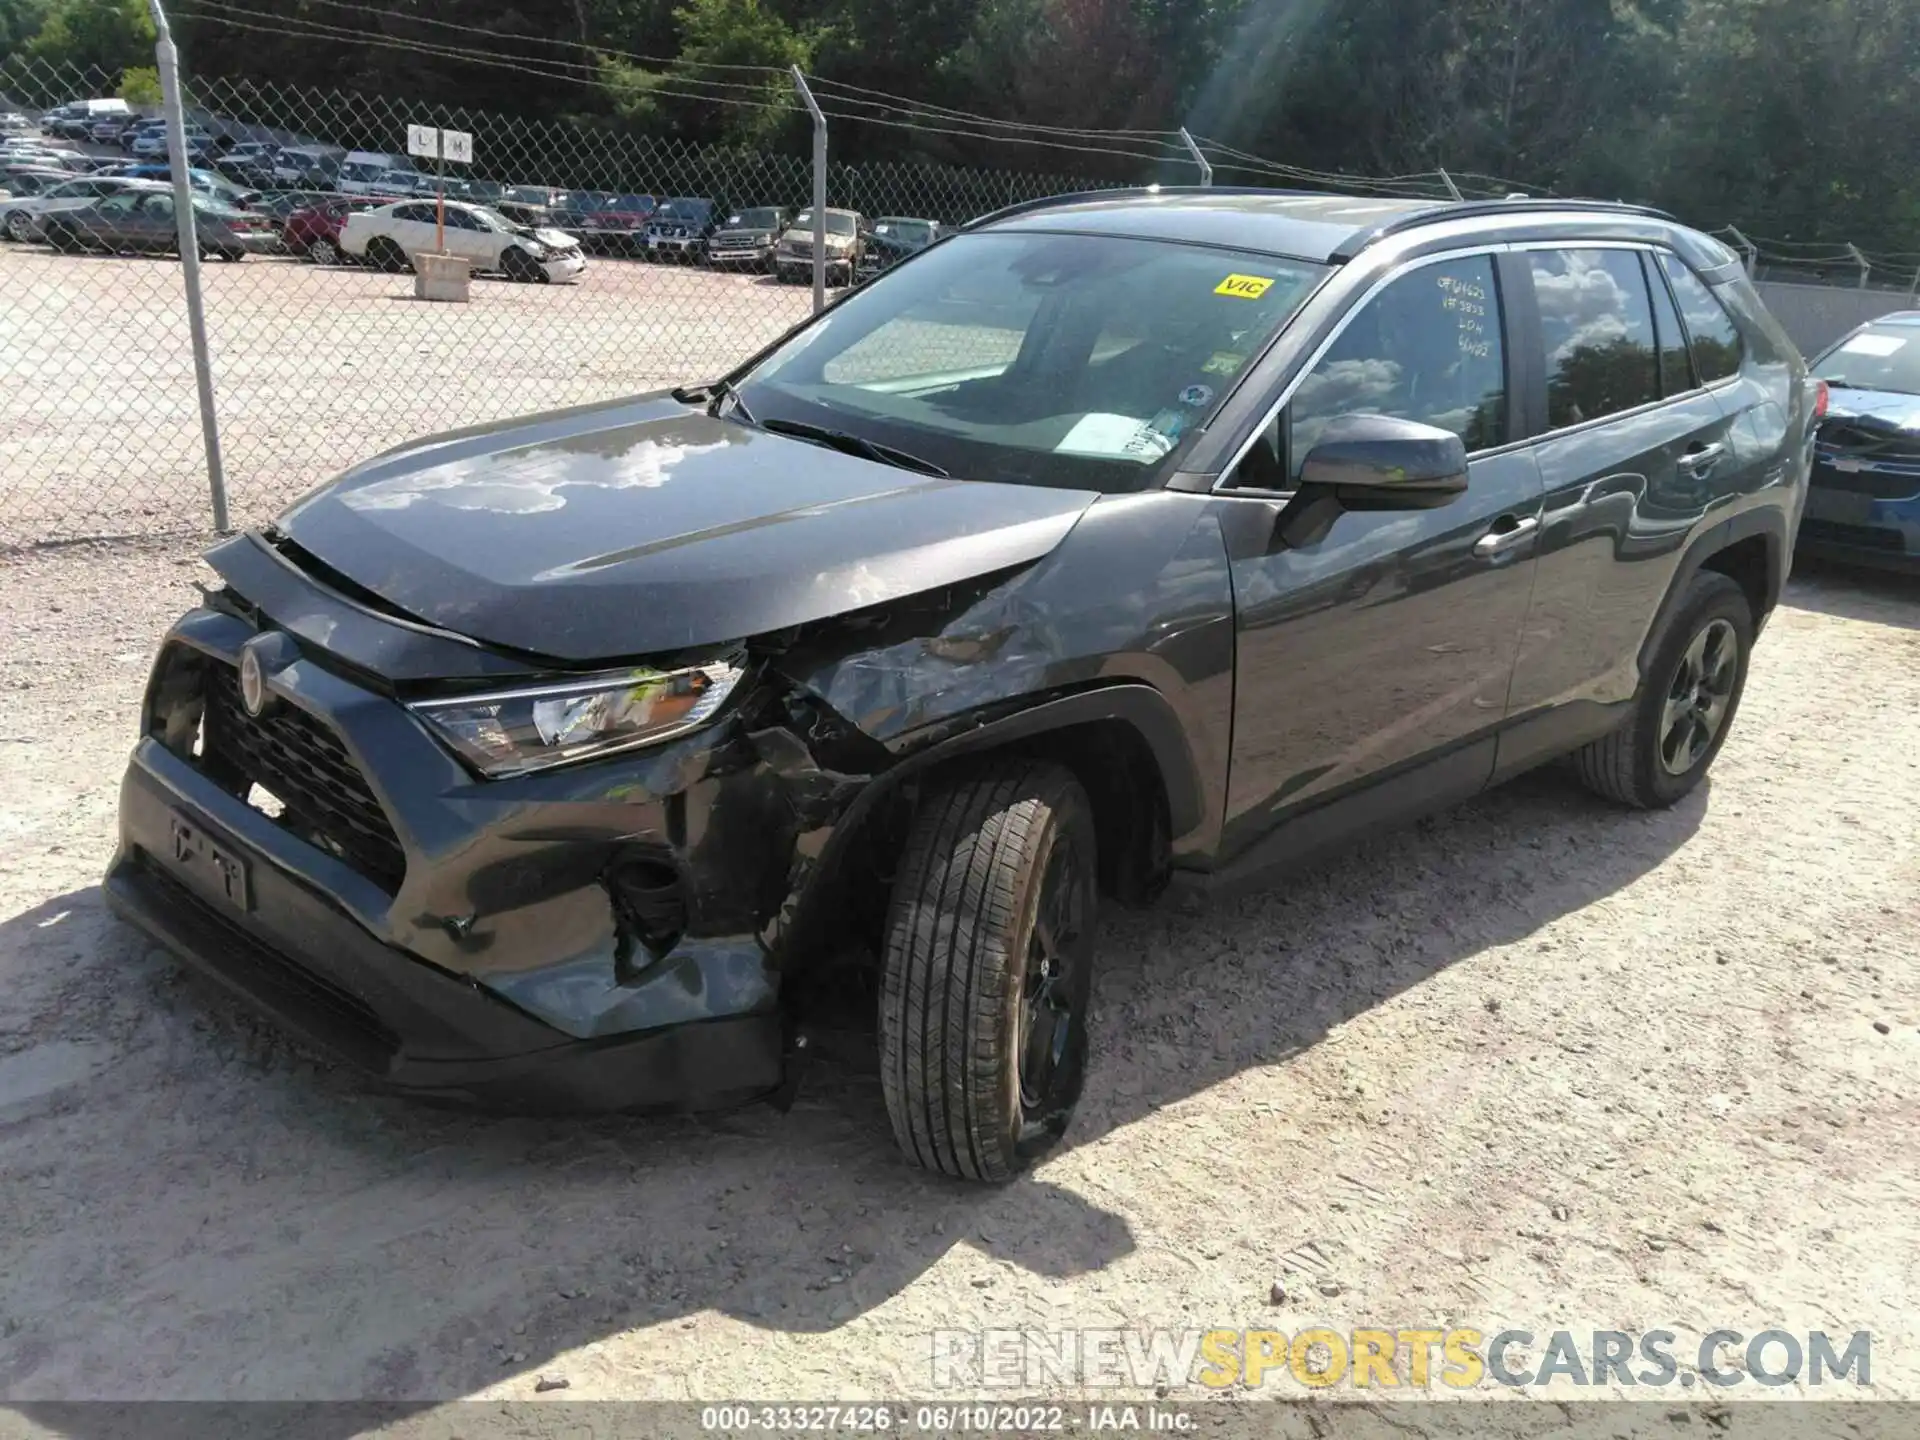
{"x":1817,"y":315}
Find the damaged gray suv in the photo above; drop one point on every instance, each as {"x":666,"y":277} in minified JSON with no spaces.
{"x":1114,"y":541}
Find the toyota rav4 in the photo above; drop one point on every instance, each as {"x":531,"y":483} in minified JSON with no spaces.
{"x":1113,"y":541}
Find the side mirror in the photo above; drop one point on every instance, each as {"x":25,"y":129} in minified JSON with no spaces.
{"x":1380,"y":462}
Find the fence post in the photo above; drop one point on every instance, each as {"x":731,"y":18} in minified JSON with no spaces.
{"x":1748,"y":251}
{"x":167,"y":61}
{"x":1206,"y":168}
{"x":1861,"y":261}
{"x":819,"y":193}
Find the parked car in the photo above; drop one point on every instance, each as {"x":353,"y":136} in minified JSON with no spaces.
{"x":746,"y":238}
{"x":605,"y":221}
{"x":894,"y":238}
{"x":75,"y":119}
{"x":151,"y":143}
{"x":314,"y":231}
{"x":250,"y":164}
{"x":30,"y":180}
{"x":389,"y":236}
{"x":143,"y":126}
{"x":12,"y":122}
{"x":23,"y":215}
{"x":309,"y":167}
{"x":107,"y":129}
{"x":143,"y":221}
{"x":560,"y":761}
{"x":846,"y":243}
{"x":209,"y":183}
{"x":678,"y":228}
{"x":56,"y":157}
{"x":1864,"y":503}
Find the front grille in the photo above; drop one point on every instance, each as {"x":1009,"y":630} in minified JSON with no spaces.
{"x":301,"y":761}
{"x":1888,"y":460}
{"x":1864,"y":536}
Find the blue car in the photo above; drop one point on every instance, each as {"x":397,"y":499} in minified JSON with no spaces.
{"x":1864,"y":502}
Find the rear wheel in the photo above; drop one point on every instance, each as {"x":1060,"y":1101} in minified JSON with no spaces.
{"x":386,"y":254}
{"x":323,"y":252}
{"x":986,"y":969}
{"x":1688,"y":696}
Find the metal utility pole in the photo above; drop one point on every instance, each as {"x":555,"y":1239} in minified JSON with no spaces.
{"x":1200,"y":159}
{"x":819,"y":192}
{"x":167,"y":61}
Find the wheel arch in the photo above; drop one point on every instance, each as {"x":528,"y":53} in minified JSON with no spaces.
{"x":1753,"y":548}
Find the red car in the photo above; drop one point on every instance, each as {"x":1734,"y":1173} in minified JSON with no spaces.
{"x":315,"y":231}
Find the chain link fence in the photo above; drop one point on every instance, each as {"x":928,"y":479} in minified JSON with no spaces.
{"x":321,"y":358}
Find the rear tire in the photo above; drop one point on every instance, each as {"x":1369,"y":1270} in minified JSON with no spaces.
{"x":323,"y":252}
{"x":386,"y":254}
{"x":986,"y":969}
{"x":1688,"y":696}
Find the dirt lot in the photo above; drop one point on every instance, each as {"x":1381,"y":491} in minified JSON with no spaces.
{"x":1538,"y":1062}
{"x":314,"y":368}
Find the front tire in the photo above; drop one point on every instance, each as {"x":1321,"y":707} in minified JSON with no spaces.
{"x":19,"y":227}
{"x":519,"y":266}
{"x":986,"y":969}
{"x":1688,"y":696}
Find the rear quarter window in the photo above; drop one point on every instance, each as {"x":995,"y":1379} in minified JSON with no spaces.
{"x":1711,"y":333}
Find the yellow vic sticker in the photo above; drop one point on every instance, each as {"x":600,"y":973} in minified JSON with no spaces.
{"x":1243,"y":287}
{"x":1223,"y":362}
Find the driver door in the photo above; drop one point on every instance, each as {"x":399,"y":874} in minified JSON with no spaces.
{"x":1375,"y":648}
{"x":469,"y":238}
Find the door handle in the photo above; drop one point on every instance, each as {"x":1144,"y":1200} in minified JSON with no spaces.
{"x":1702,"y":458}
{"x":1498,"y":541}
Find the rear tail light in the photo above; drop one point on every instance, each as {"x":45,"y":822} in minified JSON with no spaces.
{"x":1821,"y":396}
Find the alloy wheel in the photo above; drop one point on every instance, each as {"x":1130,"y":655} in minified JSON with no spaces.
{"x":1698,"y":697}
{"x":1049,"y":985}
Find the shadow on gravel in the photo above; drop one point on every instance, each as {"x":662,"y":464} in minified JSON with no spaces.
{"x":1850,"y":592}
{"x":215,"y":1213}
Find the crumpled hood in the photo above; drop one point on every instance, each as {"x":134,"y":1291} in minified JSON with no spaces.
{"x":1889,"y":409}
{"x":644,"y":527}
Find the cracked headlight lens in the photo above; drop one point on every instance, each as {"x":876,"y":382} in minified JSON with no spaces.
{"x":512,"y":732}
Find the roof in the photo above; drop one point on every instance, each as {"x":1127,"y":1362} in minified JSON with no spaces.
{"x":1327,"y":228}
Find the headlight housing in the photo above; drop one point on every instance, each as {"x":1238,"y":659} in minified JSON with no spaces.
{"x":515,"y":732}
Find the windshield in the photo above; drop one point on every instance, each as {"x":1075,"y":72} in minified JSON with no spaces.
{"x":1880,"y":357}
{"x":765,"y":218}
{"x":836,"y":224}
{"x":915,"y":230}
{"x":1073,"y":360}
{"x":529,"y":195}
{"x":492,"y":219}
{"x":683,"y":210}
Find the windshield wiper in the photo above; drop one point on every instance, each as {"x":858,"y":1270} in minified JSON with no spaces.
{"x":851,"y":444}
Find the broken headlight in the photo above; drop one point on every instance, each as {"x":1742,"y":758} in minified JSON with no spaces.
{"x":512,"y":732}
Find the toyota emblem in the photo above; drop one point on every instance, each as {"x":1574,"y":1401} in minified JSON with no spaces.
{"x":253,"y":681}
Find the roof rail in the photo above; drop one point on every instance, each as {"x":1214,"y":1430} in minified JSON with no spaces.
{"x":1351,"y":247}
{"x":1047,"y":202}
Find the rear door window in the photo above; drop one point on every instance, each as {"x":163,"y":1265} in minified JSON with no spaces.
{"x":1717,"y":351}
{"x":1596,"y":323}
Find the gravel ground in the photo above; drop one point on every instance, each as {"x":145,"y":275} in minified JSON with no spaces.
{"x":1536,"y":1062}
{"x":314,"y":367}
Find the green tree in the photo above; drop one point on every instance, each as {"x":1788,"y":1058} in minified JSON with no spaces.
{"x":140,"y":87}
{"x":95,"y":34}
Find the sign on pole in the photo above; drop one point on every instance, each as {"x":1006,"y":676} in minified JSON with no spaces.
{"x":430,"y":142}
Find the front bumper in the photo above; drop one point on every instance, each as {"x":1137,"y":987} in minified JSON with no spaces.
{"x":693,"y":245}
{"x":498,"y":969}
{"x":1859,"y":528}
{"x":755,"y":255}
{"x":565,"y":267}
